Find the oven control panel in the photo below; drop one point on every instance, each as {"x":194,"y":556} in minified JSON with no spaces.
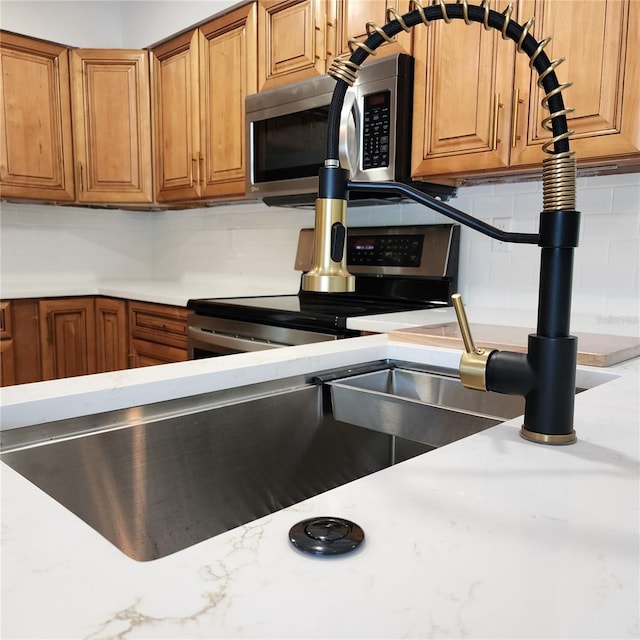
{"x":412,"y":250}
{"x":385,"y":251}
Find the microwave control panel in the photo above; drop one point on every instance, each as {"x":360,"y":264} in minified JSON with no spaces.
{"x":376,"y":130}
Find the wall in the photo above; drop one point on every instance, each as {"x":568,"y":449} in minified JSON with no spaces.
{"x":125,"y":24}
{"x":41,"y":243}
{"x":76,"y":23}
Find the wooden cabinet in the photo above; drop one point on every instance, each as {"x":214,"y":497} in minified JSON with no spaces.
{"x":462,"y":98}
{"x":351,"y":22}
{"x":477,"y":105}
{"x":600,"y":44}
{"x":292,"y":41}
{"x":55,"y":338}
{"x":67,"y":337}
{"x":158,"y":334}
{"x":111,"y":334}
{"x":20,"y":358}
{"x":112,"y":125}
{"x":36,"y":155}
{"x":298,"y":39}
{"x":200,"y":81}
{"x":7,"y":362}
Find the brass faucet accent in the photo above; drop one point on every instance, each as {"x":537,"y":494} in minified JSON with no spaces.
{"x":545,"y":375}
{"x":473,"y":364}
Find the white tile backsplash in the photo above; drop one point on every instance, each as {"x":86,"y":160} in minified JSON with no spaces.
{"x":43,"y":242}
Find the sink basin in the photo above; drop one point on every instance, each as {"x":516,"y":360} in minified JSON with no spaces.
{"x":156,"y":479}
{"x":159,"y":483}
{"x":423,"y":407}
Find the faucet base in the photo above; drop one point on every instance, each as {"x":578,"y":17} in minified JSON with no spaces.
{"x":544,"y":438}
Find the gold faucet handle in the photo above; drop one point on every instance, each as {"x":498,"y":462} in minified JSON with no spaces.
{"x":473,"y":363}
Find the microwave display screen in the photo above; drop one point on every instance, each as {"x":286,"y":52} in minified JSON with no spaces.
{"x":290,"y":146}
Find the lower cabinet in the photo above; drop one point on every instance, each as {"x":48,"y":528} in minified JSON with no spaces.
{"x":111,"y":335}
{"x":20,"y":355}
{"x":55,"y":338}
{"x":67,"y":337}
{"x":158,"y":334}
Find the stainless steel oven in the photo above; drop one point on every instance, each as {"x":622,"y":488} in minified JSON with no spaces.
{"x":399,"y":268}
{"x":209,"y":336}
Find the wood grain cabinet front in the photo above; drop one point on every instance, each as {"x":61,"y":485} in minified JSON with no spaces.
{"x":158,"y":334}
{"x":477,"y":107}
{"x":67,"y":337}
{"x":36,"y":154}
{"x":112,"y":125}
{"x":111,"y":334}
{"x":200,"y":81}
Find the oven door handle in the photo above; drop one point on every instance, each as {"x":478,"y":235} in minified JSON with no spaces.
{"x":230,"y":342}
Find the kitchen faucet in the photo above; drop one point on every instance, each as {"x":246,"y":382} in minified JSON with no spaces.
{"x":545,"y":375}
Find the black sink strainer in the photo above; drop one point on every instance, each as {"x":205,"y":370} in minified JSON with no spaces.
{"x":326,"y":536}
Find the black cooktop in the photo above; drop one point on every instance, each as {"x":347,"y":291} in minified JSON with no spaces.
{"x":304,"y":310}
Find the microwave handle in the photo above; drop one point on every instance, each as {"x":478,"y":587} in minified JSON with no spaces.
{"x":350,"y":136}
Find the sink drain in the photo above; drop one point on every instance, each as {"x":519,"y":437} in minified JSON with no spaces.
{"x":326,"y":536}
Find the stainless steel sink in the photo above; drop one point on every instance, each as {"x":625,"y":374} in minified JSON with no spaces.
{"x":157,"y":483}
{"x":423,"y":407}
{"x":156,"y":479}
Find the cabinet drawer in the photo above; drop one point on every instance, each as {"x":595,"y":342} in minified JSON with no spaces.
{"x":158,"y":323}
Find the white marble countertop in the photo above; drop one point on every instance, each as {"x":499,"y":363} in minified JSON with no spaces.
{"x":172,"y":292}
{"x":489,"y":537}
{"x":178,"y":292}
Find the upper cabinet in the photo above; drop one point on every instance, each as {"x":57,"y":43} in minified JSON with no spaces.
{"x":36,"y":155}
{"x":292,"y":40}
{"x":200,"y":81}
{"x":298,"y":39}
{"x":462,"y":98}
{"x":599,"y":45}
{"x":112,"y":125}
{"x":477,"y":106}
{"x":354,"y":15}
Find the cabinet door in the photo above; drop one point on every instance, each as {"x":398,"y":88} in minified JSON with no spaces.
{"x":112,"y":125}
{"x":7,"y":363}
{"x":36,"y":154}
{"x":291,"y":43}
{"x":176,"y":118}
{"x":599,"y":40}
{"x":228,"y":73}
{"x":353,"y":16}
{"x":462,"y":98}
{"x":67,"y":337}
{"x":111,"y":334}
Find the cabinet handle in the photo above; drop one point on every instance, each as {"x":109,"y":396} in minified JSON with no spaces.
{"x":201,"y":179}
{"x":517,"y":101}
{"x":325,"y":31}
{"x":81,"y":176}
{"x":50,"y":328}
{"x":313,"y":42}
{"x":496,"y":112}
{"x":194,"y":161}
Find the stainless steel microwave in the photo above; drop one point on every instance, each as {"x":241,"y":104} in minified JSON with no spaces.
{"x":286,"y":133}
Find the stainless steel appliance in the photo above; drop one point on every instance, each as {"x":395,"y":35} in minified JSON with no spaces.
{"x":286,"y":133}
{"x":401,"y":268}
